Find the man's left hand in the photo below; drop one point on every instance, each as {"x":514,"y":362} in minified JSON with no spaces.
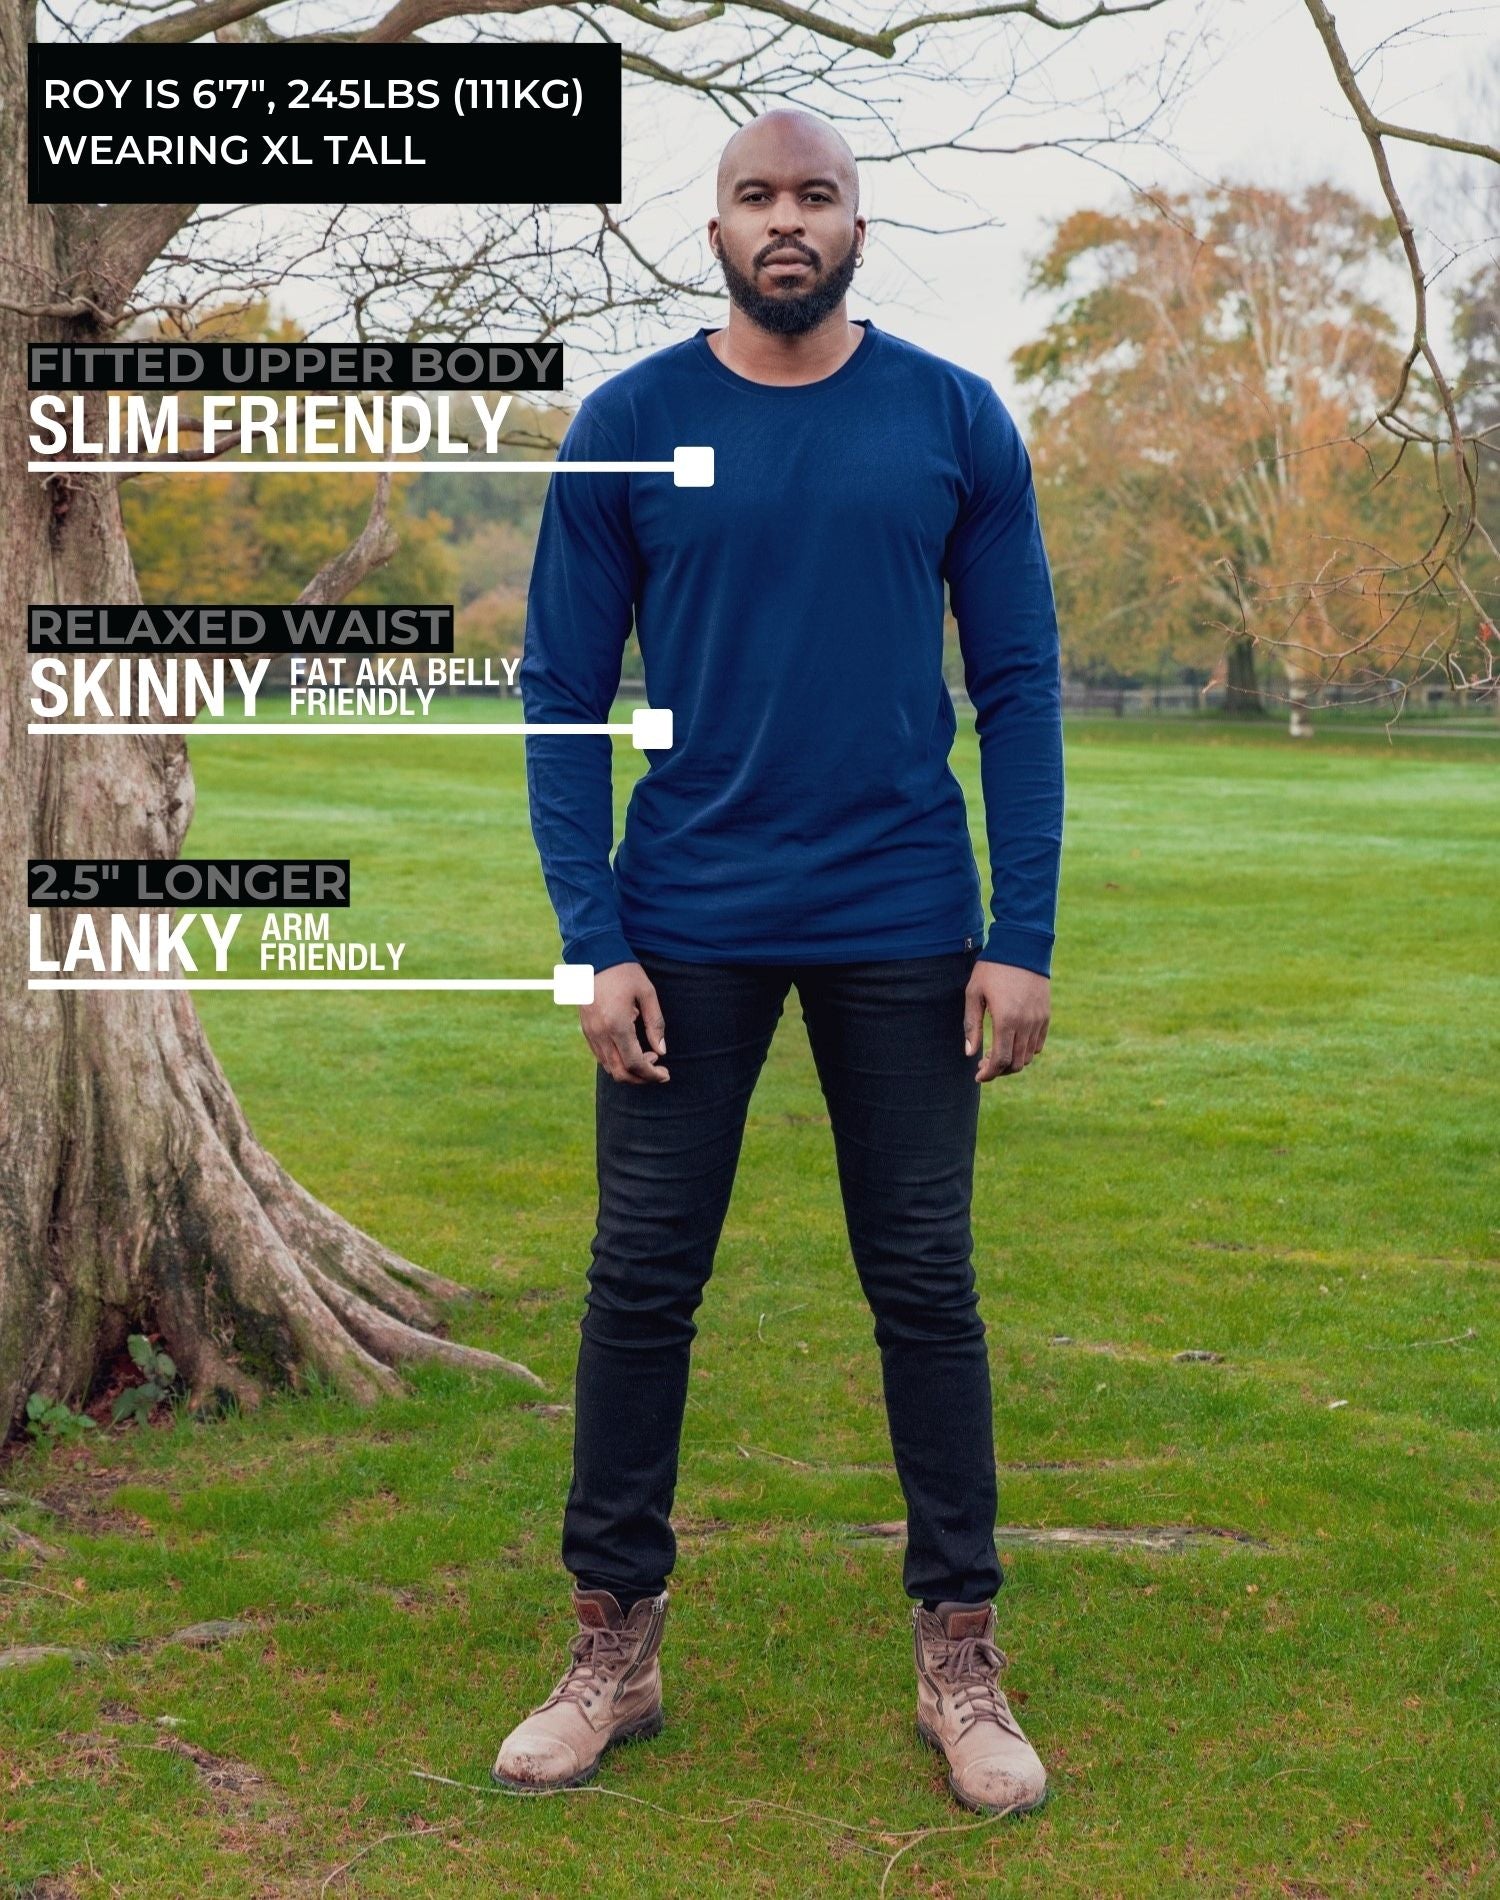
{"x":1019,"y":1003}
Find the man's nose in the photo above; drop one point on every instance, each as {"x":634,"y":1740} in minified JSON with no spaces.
{"x":786,"y":216}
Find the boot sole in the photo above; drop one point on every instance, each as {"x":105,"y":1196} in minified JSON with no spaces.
{"x":641,"y":1731}
{"x":926,"y":1735}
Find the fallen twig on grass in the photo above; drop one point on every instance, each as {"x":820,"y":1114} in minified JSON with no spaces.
{"x":25,"y":1583}
{"x":761,"y":1322}
{"x":838,"y":1468}
{"x":956,"y":1827}
{"x":759,"y":1451}
{"x":616,"y":1794}
{"x":1406,"y":1345}
{"x":402,"y":1834}
{"x":910,"y":1838}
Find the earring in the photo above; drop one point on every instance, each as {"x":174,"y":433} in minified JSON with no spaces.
{"x":859,"y":260}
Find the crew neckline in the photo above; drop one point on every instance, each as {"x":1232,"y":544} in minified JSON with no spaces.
{"x":848,"y":368}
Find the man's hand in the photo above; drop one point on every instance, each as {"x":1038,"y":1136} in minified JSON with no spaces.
{"x":1020,"y":1007}
{"x":623,"y":994}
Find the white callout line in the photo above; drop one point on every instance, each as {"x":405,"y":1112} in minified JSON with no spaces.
{"x":689,"y":467}
{"x":649,"y":726}
{"x":568,"y":983}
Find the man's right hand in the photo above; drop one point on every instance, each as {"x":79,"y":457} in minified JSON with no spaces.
{"x":624,"y":995}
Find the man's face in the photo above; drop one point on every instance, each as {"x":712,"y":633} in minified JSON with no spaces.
{"x":787,"y":234}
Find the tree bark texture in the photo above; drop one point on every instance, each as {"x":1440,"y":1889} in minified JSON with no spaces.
{"x":133,"y":1194}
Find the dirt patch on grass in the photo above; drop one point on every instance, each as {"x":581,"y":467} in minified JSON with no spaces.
{"x":1084,"y":1464}
{"x":532,"y":1299}
{"x":375,"y":1507}
{"x":1166,"y":1537}
{"x":448,"y":1593}
{"x":689,"y":1527}
{"x":87,"y":1757}
{"x":78,"y":1499}
{"x":227,"y":1780}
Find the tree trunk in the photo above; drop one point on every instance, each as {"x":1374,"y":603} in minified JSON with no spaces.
{"x":133,"y":1195}
{"x":1241,"y":688}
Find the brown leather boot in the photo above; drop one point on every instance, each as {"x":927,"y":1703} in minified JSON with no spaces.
{"x":962,"y":1713}
{"x":610,"y":1693}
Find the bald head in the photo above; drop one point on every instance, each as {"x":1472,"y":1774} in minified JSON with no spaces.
{"x":788,"y":139}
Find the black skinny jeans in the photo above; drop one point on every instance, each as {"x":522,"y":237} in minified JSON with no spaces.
{"x":887,"y":1039}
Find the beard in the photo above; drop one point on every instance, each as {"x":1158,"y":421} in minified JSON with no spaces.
{"x":791,"y":312}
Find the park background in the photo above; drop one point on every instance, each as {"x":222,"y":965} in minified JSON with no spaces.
{"x":1237,"y":1230}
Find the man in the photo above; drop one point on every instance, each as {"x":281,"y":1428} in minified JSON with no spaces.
{"x":803,"y":830}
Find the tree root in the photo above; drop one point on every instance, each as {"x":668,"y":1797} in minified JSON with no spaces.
{"x":257,"y":1283}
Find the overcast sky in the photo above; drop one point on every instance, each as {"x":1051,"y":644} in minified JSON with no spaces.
{"x":1262,"y":105}
{"x":1252,"y":97}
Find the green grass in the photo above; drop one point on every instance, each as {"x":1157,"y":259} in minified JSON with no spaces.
{"x":1264,"y":1124}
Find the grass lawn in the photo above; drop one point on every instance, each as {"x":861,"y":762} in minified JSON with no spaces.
{"x":1264,"y":1127}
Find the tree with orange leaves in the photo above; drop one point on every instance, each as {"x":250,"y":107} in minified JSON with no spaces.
{"x":1200,"y":389}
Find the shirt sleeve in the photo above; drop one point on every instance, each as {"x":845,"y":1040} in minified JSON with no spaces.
{"x":579,"y":610}
{"x":1000,"y":587}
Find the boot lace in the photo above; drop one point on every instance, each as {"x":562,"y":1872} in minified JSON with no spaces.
{"x":970,"y":1669}
{"x":597,"y":1654}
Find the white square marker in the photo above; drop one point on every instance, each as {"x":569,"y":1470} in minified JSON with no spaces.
{"x":692,"y":468}
{"x":651,"y":726}
{"x":572,"y":982}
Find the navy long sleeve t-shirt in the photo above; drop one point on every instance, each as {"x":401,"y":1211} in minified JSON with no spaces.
{"x":791,"y":616}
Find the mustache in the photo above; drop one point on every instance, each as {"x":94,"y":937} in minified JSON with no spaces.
{"x":783,"y":247}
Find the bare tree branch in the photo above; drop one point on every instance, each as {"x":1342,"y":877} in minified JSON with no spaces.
{"x":176,"y":29}
{"x":372,"y":548}
{"x":410,"y":16}
{"x":1376,"y":130}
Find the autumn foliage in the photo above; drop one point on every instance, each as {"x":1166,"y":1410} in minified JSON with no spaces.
{"x":1210,"y":487}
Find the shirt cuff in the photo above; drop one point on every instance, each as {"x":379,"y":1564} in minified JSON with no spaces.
{"x":1025,"y":949}
{"x":601,"y":948}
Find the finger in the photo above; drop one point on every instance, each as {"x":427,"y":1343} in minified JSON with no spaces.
{"x":1002,"y":1048}
{"x":652,"y":1020}
{"x":986,"y":1069}
{"x":605,"y":1052}
{"x":973,"y":1021}
{"x":1028,"y":1045}
{"x":607,"y":1056}
{"x":622,"y":1067}
{"x":638,"y":1064}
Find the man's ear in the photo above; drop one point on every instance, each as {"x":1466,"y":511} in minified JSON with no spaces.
{"x":713,"y":232}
